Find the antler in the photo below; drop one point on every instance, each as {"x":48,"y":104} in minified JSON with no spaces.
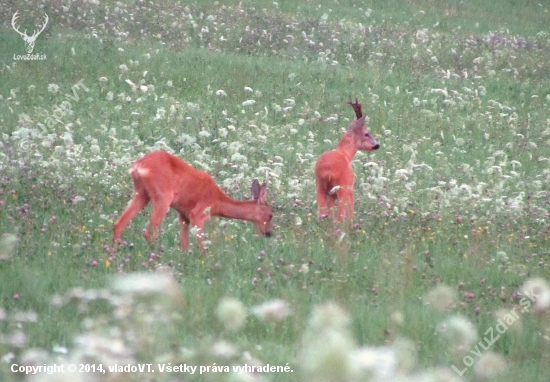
{"x":15,"y":27}
{"x":357,"y":107}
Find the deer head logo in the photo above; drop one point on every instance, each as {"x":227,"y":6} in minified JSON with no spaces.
{"x":29,"y":40}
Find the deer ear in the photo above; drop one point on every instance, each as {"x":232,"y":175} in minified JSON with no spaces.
{"x":262,"y":197}
{"x":256,"y":189}
{"x":357,"y":123}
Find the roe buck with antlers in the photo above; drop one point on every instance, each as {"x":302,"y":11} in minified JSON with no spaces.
{"x":334,"y":176}
{"x":168,"y":181}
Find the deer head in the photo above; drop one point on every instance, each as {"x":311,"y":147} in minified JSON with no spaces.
{"x":29,"y":40}
{"x":363,"y":138}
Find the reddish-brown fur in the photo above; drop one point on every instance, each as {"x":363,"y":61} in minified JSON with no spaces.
{"x":334,"y":176}
{"x":168,"y":181}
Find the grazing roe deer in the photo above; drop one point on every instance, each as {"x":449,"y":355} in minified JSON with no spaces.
{"x":334,"y":177}
{"x":168,"y":181}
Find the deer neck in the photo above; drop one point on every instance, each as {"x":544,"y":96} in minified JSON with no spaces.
{"x":347,"y":146}
{"x":234,"y":209}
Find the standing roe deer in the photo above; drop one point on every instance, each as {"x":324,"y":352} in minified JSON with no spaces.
{"x":168,"y":181}
{"x":334,"y":176}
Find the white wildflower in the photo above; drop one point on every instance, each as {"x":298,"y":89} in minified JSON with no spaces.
{"x":77,"y":199}
{"x":17,"y":339}
{"x":238,"y":158}
{"x":224,"y":349}
{"x":231,"y":313}
{"x":274,"y":310}
{"x":234,"y":147}
{"x":134,"y":87}
{"x":328,"y":316}
{"x":422,"y":35}
{"x":7,"y":243}
{"x":489,"y":365}
{"x":460,"y":332}
{"x":161,"y":112}
{"x":34,"y":357}
{"x":510,"y":318}
{"x":537,"y":289}
{"x":193,"y":106}
{"x":187,"y":140}
{"x":378,"y":362}
{"x":442,"y":298}
{"x":149,"y":284}
{"x":328,"y":345}
{"x":53,"y":88}
{"x":402,"y":173}
{"x":502,"y":257}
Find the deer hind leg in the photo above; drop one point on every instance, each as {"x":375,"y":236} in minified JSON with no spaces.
{"x":345,"y":204}
{"x":322,"y":200}
{"x":160,"y":209}
{"x":184,"y":231}
{"x":331,"y":202}
{"x":138,"y":202}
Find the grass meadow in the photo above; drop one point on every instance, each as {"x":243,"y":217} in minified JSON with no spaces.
{"x":444,"y":274}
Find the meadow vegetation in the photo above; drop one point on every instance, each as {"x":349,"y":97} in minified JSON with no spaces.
{"x":451,"y":234}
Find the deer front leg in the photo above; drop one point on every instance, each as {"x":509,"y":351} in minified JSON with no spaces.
{"x":139,"y":201}
{"x":184,"y":232}
{"x":198,"y":220}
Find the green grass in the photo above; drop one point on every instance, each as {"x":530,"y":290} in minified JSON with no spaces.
{"x":456,"y":94}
